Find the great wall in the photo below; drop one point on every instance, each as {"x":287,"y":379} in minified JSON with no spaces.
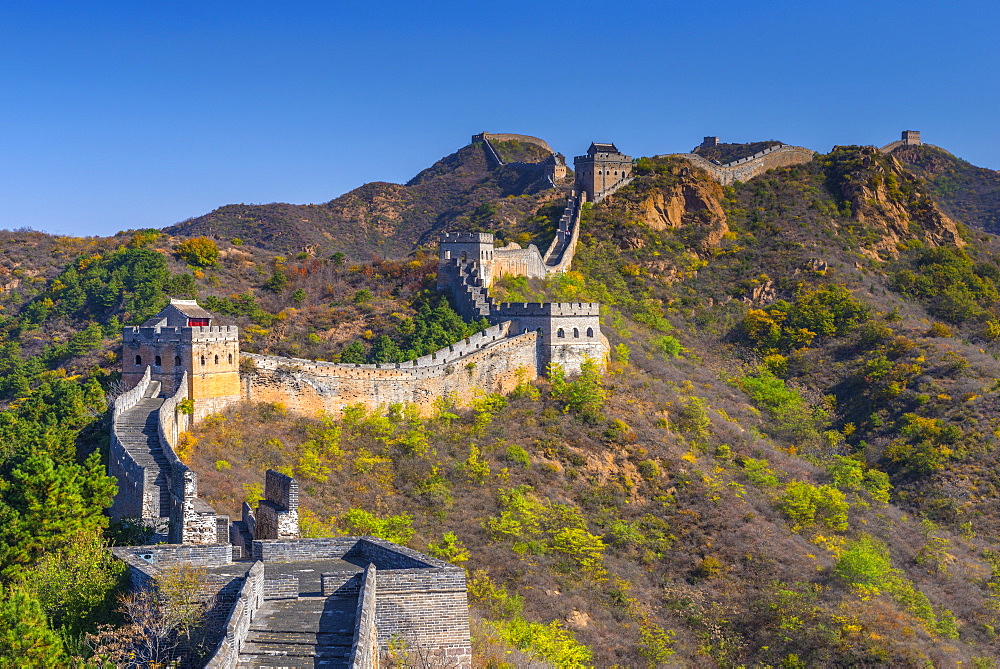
{"x":360,"y":592}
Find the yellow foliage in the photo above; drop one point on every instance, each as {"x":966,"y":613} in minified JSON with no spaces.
{"x":185,"y":446}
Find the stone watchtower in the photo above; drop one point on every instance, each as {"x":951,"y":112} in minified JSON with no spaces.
{"x":180,"y":339}
{"x":602,"y":167}
{"x":465,"y":247}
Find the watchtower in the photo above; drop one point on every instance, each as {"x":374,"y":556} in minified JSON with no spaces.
{"x":602,"y":167}
{"x":180,"y":339}
{"x":462,"y":247}
{"x":911,"y":138}
{"x":709,"y":143}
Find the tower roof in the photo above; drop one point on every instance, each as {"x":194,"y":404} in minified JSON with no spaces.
{"x":597,"y":147}
{"x":190,"y":308}
{"x":178,"y":314}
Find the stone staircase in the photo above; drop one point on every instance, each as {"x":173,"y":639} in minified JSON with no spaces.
{"x":308,"y":632}
{"x":137,"y":430}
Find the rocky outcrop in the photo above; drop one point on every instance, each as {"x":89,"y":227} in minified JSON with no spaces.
{"x":888,"y":199}
{"x":692,"y":201}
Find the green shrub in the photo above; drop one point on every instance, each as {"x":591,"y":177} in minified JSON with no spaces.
{"x":650,"y":470}
{"x":518,"y":455}
{"x":668,"y":346}
{"x":806,"y":504}
{"x":450,"y":548}
{"x":397,"y":529}
{"x":850,"y":474}
{"x":759,"y":472}
{"x":584,"y":396}
{"x":551,"y":642}
{"x":865,"y":565}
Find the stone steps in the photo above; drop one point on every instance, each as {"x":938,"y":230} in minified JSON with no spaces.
{"x":299,"y":633}
{"x":138,"y":430}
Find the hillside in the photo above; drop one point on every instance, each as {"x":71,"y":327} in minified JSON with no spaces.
{"x":383,"y":219}
{"x":793,"y":436}
{"x":967,"y":193}
{"x":790,"y":461}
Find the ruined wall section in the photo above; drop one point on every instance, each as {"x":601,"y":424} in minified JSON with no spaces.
{"x":489,"y":362}
{"x":747,"y":168}
{"x":277,"y":514}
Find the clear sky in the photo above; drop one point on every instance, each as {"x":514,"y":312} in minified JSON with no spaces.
{"x":117,"y":115}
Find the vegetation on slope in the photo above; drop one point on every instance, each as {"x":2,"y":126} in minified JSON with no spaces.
{"x":789,"y":462}
{"x":383,"y":219}
{"x":967,"y":193}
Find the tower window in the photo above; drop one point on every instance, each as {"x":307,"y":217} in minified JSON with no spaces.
{"x":138,"y":360}
{"x":590,"y":332}
{"x":157,"y":361}
{"x":230,"y":358}
{"x":202,"y":361}
{"x":177,"y":360}
{"x":560,"y":333}
{"x":576,"y":333}
{"x":217,"y":360}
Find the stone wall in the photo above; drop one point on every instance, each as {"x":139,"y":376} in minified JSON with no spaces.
{"x":192,"y":519}
{"x":486,"y":362}
{"x":510,"y":137}
{"x":249,"y":600}
{"x":745,"y":169}
{"x":364,"y":651}
{"x":297,"y":550}
{"x":341,"y":583}
{"x":167,"y":555}
{"x":404,"y":602}
{"x":136,"y":497}
{"x":277,"y":516}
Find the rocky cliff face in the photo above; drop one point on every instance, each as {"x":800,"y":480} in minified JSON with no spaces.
{"x":691,"y":201}
{"x":891,"y":202}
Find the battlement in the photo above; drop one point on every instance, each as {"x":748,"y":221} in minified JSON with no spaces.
{"x":466,"y":238}
{"x":175,"y":333}
{"x":515,"y":309}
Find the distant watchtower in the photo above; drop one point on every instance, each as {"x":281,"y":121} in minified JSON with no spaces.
{"x":180,"y":339}
{"x":911,"y":138}
{"x":602,"y":167}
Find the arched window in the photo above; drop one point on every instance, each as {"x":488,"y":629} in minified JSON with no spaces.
{"x":560,"y":333}
{"x":217,"y":360}
{"x":590,"y":332}
{"x":202,"y":361}
{"x":157,"y":361}
{"x":576,"y":333}
{"x":230,"y":358}
{"x":138,"y":360}
{"x":177,"y":360}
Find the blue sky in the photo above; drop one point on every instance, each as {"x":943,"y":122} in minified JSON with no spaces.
{"x":117,"y":115}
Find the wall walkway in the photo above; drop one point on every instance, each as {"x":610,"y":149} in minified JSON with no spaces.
{"x":747,"y":168}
